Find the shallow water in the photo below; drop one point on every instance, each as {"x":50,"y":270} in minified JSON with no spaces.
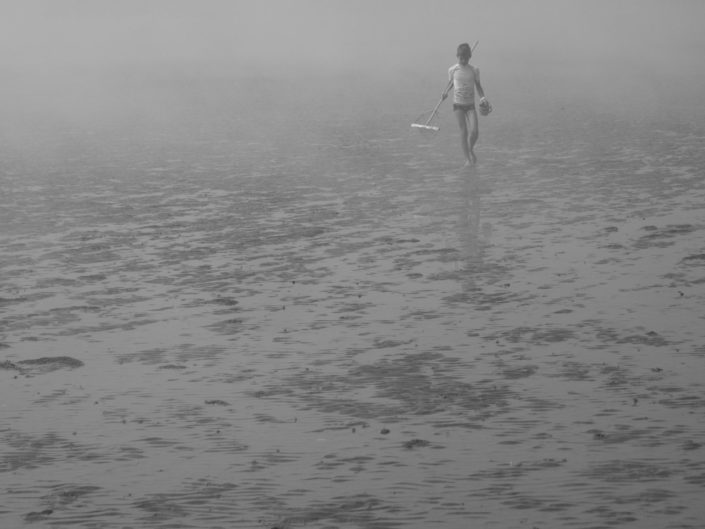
{"x":330,"y":324}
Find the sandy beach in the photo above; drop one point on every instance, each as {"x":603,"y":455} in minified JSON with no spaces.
{"x":329,"y":324}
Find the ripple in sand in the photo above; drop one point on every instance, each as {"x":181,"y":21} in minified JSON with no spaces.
{"x":661,"y":237}
{"x":533,"y":335}
{"x":46,"y":364}
{"x":360,"y":510}
{"x":628,"y":471}
{"x":515,"y":372}
{"x":34,"y":451}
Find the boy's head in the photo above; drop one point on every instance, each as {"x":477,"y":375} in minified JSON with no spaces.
{"x":464,"y":53}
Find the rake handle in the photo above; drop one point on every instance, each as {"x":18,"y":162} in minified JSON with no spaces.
{"x":435,"y":110}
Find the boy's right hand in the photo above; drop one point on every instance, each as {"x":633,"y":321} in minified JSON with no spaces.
{"x":444,"y":95}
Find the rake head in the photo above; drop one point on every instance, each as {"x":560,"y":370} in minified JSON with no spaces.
{"x":425,"y":128}
{"x":425,"y":122}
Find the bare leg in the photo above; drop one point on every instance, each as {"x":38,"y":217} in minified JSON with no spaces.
{"x":474,"y":133}
{"x":464,"y":140}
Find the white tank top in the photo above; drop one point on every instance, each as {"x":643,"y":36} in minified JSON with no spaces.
{"x":463,"y":78}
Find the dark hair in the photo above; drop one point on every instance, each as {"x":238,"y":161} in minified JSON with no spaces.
{"x":464,"y":50}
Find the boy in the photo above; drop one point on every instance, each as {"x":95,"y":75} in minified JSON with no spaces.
{"x":464,"y":78}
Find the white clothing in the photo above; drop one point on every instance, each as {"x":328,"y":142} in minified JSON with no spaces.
{"x":463,"y":78}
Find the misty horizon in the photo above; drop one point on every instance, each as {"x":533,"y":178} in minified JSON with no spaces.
{"x":89,"y":62}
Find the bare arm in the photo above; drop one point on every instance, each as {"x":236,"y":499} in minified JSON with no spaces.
{"x":445,"y":92}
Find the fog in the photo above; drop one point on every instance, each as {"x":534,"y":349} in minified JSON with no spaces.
{"x":90,"y":63}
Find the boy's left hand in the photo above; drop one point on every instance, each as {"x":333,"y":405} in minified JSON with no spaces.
{"x":485,"y":107}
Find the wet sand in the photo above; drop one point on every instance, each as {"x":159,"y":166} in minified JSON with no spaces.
{"x":334,"y":326}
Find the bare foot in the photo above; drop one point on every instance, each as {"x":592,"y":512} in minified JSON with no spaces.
{"x":473,"y":157}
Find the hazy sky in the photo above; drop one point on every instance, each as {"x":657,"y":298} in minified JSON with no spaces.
{"x":609,"y":46}
{"x":358,"y":34}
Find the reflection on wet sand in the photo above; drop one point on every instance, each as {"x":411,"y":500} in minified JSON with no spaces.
{"x":470,"y":216}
